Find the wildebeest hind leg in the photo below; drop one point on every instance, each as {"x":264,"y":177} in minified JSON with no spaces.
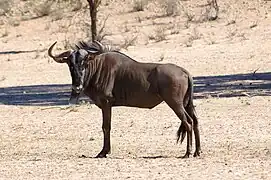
{"x":189,"y":135}
{"x":181,"y":113}
{"x":188,"y":126}
{"x":190,"y":110}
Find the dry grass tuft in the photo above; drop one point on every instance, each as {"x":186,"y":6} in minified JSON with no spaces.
{"x":138,"y":19}
{"x":232,"y":33}
{"x":195,"y":34}
{"x":13,"y":22}
{"x":189,"y":42}
{"x":67,"y":44}
{"x":174,"y":27}
{"x":76,"y":5}
{"x":5,"y":33}
{"x":2,"y":22}
{"x":210,"y":40}
{"x":159,"y":34}
{"x":192,"y":37}
{"x":3,"y":78}
{"x":253,"y":25}
{"x":139,"y":5}
{"x":162,"y":57}
{"x":129,"y":41}
{"x":210,"y":13}
{"x":125,"y":28}
{"x":171,"y":7}
{"x":5,"y":6}
{"x":57,"y":15}
{"x":189,"y":16}
{"x":43,"y":9}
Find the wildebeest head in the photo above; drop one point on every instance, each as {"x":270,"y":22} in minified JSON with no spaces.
{"x":76,"y":60}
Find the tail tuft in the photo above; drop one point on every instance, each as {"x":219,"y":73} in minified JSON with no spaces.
{"x":181,"y":133}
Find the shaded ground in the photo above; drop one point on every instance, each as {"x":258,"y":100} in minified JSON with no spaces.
{"x":256,"y":84}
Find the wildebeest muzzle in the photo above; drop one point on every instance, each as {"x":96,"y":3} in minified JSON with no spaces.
{"x":74,"y":98}
{"x":77,"y":89}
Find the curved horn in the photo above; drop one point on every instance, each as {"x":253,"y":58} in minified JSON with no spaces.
{"x":61,"y":58}
{"x":101,"y":47}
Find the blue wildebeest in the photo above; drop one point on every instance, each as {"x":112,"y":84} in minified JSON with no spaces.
{"x":111,"y":78}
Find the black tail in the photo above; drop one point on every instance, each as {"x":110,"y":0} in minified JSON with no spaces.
{"x":189,"y":108}
{"x":181,"y":132}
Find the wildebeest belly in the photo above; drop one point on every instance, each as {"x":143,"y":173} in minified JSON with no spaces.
{"x":140,"y":95}
{"x":139,"y":100}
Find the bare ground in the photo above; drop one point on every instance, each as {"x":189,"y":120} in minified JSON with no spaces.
{"x":43,"y":138}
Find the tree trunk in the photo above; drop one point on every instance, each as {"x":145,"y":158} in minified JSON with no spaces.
{"x":93,"y":5}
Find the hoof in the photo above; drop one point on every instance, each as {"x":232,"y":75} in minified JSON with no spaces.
{"x":101,"y":155}
{"x":197,"y":153}
{"x":186,"y":156}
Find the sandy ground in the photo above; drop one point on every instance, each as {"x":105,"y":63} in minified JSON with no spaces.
{"x":42,"y":138}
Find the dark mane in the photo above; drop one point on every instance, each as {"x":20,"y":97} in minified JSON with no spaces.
{"x":92,"y":46}
{"x":101,"y":48}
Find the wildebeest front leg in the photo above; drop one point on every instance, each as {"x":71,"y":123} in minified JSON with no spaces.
{"x":106,"y":110}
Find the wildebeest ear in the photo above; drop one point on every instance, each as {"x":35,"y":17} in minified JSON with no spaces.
{"x":92,"y":53}
{"x":90,"y":56}
{"x":63,"y":57}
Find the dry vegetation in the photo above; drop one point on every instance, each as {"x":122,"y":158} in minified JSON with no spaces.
{"x":226,"y":55}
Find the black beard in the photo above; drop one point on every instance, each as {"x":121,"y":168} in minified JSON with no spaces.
{"x":74,"y":98}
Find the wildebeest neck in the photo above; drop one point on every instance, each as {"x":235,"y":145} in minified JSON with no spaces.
{"x":99,"y":73}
